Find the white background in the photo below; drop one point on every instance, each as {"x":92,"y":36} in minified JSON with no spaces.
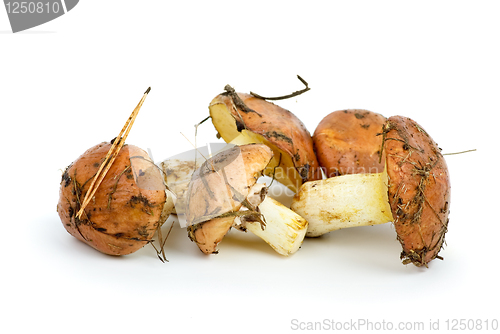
{"x":71,"y":83}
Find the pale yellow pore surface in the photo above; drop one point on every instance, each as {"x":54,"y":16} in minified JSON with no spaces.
{"x":343,"y":201}
{"x":225,"y":124}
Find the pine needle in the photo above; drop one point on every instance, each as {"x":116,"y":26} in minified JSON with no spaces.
{"x":116,"y":146}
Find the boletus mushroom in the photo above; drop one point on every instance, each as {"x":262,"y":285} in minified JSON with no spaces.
{"x":128,"y":207}
{"x":413,"y":192}
{"x":224,"y":193}
{"x":346,"y":142}
{"x":243,"y":119}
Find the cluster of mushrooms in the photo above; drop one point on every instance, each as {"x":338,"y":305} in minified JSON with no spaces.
{"x":358,"y":168}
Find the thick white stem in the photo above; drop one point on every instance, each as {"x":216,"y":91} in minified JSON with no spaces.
{"x":343,"y":201}
{"x":284,"y":230}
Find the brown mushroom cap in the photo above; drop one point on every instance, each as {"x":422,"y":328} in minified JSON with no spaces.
{"x":419,"y":189}
{"x":127,"y":207}
{"x":278,"y":126}
{"x":219,"y":187}
{"x":346,"y":142}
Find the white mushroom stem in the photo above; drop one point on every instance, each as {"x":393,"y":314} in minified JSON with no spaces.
{"x":177,"y":174}
{"x":168,"y":207}
{"x":283,"y":229}
{"x":343,"y":201}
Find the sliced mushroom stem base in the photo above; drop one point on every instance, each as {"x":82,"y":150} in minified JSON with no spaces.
{"x":284,"y":230}
{"x":342,"y":202}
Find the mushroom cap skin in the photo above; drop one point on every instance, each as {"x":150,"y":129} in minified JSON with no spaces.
{"x":278,"y":126}
{"x":419,"y":189}
{"x":127,"y":207}
{"x":209,"y":234}
{"x":346,"y":142}
{"x":219,"y":187}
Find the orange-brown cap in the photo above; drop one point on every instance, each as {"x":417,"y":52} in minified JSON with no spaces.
{"x":125,"y":211}
{"x":286,"y":134}
{"x":419,"y":189}
{"x":220,"y":186}
{"x":346,"y":142}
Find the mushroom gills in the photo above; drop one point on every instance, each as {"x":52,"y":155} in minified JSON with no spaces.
{"x":343,"y":201}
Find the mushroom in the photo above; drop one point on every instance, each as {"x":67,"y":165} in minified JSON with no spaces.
{"x":223,"y":193}
{"x":242,"y":119}
{"x":345,"y":142}
{"x":129,"y":206}
{"x":413,"y":192}
{"x":113,"y":196}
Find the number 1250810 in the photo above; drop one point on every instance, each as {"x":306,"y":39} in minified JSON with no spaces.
{"x":32,"y":7}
